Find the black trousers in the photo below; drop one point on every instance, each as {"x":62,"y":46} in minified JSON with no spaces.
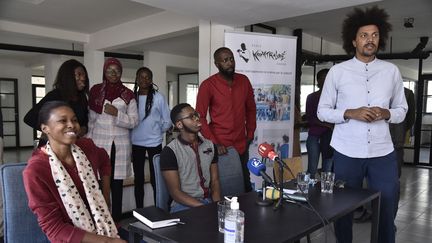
{"x":138,"y":160}
{"x":116,"y":190}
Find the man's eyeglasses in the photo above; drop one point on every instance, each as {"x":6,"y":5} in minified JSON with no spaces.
{"x":194,"y":116}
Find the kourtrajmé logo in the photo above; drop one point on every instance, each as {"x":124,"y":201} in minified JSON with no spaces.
{"x":273,"y":55}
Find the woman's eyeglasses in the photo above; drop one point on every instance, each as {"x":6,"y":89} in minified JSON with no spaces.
{"x":194,"y":116}
{"x":110,"y":71}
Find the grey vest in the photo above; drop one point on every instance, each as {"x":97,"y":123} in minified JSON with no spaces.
{"x":187,"y":166}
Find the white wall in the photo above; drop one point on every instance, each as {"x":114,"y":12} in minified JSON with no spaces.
{"x":313,"y":43}
{"x":211,"y":37}
{"x":158,"y":63}
{"x":18,"y":70}
{"x":173,"y":78}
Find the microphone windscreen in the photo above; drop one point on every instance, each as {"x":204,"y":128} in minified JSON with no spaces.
{"x":264,"y":149}
{"x":273,"y":155}
{"x":272,"y":193}
{"x":256,"y":166}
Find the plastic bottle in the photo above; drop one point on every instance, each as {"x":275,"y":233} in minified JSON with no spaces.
{"x":234,"y":223}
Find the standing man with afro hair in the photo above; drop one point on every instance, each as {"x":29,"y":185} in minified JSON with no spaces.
{"x":362,"y":96}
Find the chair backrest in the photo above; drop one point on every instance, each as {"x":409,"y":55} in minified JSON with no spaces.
{"x":20,"y":224}
{"x":162,"y":193}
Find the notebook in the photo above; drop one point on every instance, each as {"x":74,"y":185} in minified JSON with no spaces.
{"x":155,"y":217}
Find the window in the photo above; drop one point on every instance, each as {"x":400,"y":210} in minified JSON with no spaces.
{"x":305,"y":90}
{"x":428,"y":97}
{"x":191,"y":94}
{"x":38,"y":80}
{"x":129,"y":85}
{"x":38,"y":92}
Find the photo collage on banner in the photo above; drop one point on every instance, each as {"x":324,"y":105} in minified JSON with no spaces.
{"x":269,"y":63}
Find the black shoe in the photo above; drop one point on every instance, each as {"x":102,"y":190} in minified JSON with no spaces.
{"x":365,"y":217}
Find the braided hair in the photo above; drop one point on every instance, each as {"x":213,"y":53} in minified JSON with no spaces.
{"x":152,"y":90}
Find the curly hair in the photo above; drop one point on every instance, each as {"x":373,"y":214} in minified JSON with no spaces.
{"x":358,"y":18}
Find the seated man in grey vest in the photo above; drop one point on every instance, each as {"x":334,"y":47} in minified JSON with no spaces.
{"x":188,"y":163}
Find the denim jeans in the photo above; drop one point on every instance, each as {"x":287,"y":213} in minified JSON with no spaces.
{"x":382,"y":175}
{"x":317,"y":145}
{"x":177,"y":207}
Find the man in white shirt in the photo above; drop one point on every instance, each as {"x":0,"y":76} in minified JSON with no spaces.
{"x":362,"y":96}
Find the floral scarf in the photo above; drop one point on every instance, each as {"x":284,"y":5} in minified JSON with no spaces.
{"x":102,"y":222}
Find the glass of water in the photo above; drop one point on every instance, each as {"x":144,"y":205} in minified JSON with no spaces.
{"x":327,"y":182}
{"x":303,"y":179}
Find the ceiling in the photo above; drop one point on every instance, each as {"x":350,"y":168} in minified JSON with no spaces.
{"x":328,"y":24}
{"x":85,"y":16}
{"x":313,"y":16}
{"x":246,"y":12}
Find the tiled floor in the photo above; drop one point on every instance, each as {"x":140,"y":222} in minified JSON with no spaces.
{"x":414,"y":219}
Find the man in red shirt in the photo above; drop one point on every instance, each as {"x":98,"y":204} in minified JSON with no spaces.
{"x":228,"y":96}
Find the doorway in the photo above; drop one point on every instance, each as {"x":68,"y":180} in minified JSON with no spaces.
{"x":9,"y":109}
{"x":423,"y":123}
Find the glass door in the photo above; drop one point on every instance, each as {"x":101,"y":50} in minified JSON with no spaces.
{"x":9,"y":109}
{"x":423,"y":123}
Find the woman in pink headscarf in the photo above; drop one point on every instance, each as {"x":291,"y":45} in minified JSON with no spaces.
{"x":113,"y":112}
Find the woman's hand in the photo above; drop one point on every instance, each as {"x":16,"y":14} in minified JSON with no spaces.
{"x":110,"y":110}
{"x":116,"y":240}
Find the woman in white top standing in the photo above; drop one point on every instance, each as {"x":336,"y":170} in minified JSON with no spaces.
{"x":147,"y":137}
{"x":113,"y":112}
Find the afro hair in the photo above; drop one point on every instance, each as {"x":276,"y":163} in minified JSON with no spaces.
{"x":359,"y":18}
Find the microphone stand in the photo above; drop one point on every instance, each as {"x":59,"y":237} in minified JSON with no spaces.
{"x":282,"y":164}
{"x":280,"y":200}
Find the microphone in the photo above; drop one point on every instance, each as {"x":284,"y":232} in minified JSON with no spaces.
{"x":274,"y":194}
{"x":271,"y":193}
{"x":258,"y":168}
{"x":267,"y":151}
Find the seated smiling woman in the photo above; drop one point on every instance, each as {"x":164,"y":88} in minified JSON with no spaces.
{"x":61,"y":181}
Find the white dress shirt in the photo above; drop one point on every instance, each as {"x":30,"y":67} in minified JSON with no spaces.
{"x":353,"y":84}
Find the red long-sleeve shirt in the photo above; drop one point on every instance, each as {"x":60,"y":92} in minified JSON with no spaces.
{"x":43,"y":196}
{"x":232,"y":111}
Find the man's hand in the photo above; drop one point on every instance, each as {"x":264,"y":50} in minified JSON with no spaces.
{"x":367,"y":114}
{"x":110,"y":109}
{"x":221,"y":149}
{"x":381,"y":114}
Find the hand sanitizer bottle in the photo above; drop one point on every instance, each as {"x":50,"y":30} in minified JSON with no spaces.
{"x":234,"y":224}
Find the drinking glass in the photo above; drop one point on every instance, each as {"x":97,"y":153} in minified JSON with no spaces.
{"x":327,"y":182}
{"x":303,"y":179}
{"x":223,"y":206}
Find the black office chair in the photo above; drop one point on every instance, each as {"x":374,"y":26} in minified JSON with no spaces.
{"x":162,"y":194}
